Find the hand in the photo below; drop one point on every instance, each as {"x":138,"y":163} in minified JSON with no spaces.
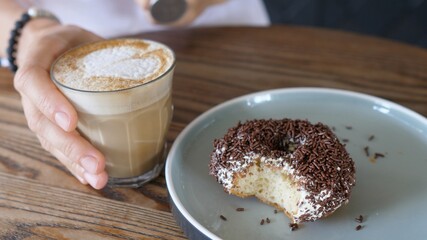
{"x":49,"y":114}
{"x":194,"y":9}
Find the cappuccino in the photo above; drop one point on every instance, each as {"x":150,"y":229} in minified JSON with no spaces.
{"x":121,"y":90}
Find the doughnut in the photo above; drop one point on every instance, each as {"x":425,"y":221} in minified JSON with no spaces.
{"x":297,"y":167}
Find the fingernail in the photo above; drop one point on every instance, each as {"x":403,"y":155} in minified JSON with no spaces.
{"x":89,"y":163}
{"x":91,"y":179}
{"x":62,"y":120}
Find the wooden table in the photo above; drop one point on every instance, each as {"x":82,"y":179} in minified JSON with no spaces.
{"x":40,"y":199}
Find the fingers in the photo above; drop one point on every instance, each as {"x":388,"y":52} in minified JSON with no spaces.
{"x":39,"y":90}
{"x":78,"y":155}
{"x":40,"y":45}
{"x":35,"y":57}
{"x":145,"y":4}
{"x":97,"y":181}
{"x":74,"y":168}
{"x":71,"y":144}
{"x":194,"y":9}
{"x":49,"y":114}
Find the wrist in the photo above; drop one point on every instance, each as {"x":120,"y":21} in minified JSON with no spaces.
{"x":38,"y":24}
{"x":31,"y":21}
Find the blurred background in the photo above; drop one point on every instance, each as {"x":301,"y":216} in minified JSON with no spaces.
{"x":401,"y":20}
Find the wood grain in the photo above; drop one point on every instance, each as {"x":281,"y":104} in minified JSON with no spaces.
{"x":213,"y":65}
{"x":30,"y":208}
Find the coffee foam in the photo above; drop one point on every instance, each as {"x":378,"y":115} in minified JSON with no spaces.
{"x":103,"y":78}
{"x":112,"y":65}
{"x":119,"y":62}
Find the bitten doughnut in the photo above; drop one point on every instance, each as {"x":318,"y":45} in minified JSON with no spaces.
{"x":300,"y":168}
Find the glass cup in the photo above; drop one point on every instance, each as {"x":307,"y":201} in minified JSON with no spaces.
{"x":128,"y":125}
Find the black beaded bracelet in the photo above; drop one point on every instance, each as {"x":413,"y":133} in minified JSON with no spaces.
{"x":13,"y":40}
{"x":17,"y":30}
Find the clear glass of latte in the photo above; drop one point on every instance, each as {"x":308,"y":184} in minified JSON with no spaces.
{"x":122,"y":91}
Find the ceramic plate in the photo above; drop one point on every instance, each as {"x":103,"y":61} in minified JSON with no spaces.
{"x":390,"y":193}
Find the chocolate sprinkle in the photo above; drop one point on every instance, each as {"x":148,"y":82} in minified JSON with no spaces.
{"x":366,"y":149}
{"x":262,"y":222}
{"x":358,"y":227}
{"x":293,"y":226}
{"x":240,"y":209}
{"x":377,"y":155}
{"x":275,"y":211}
{"x":223,"y":218}
{"x":371,"y":138}
{"x":349,"y":127}
{"x":312,"y":151}
{"x":268,"y":220}
{"x":359,"y":219}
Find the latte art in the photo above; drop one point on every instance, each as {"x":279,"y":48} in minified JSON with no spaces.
{"x":120,"y":62}
{"x":113,"y":66}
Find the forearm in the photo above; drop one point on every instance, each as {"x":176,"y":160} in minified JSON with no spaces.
{"x":10,"y":12}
